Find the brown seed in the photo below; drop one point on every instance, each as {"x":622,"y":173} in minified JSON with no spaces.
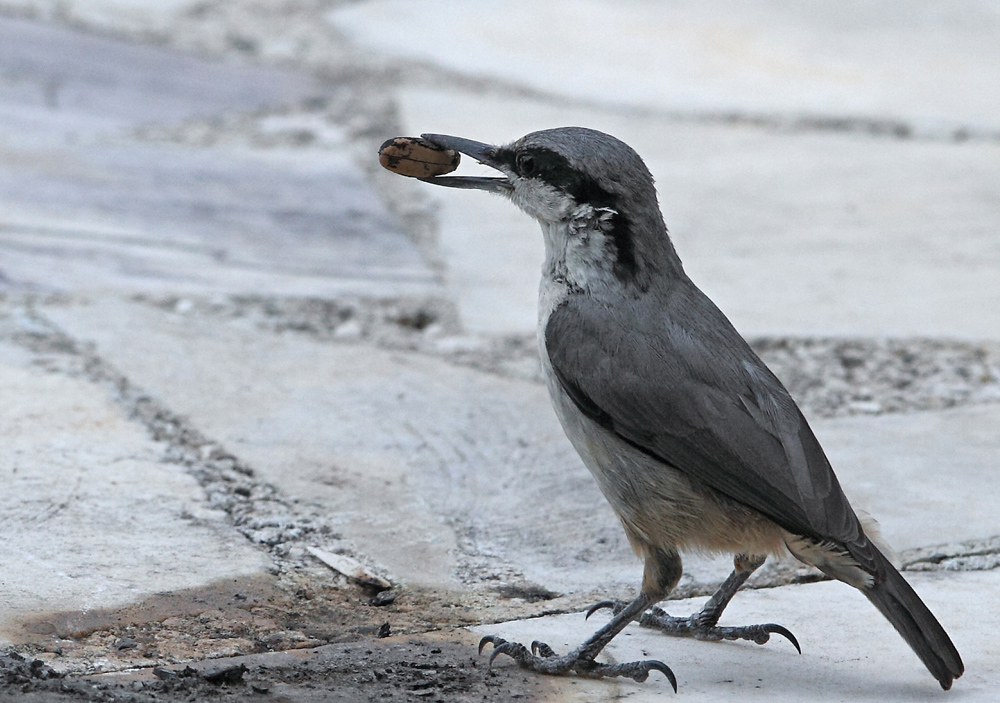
{"x":417,"y":158}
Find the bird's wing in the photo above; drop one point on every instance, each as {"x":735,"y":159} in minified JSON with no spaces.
{"x":686,"y":389}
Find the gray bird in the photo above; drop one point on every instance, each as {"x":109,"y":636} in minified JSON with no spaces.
{"x":692,"y":439}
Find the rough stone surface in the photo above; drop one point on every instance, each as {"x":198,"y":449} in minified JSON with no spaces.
{"x":928,"y":69}
{"x":386,"y":669}
{"x":83,"y":196}
{"x":209,"y":283}
{"x":481,"y":466}
{"x":479,"y":487}
{"x":849,"y":652}
{"x":92,"y":514}
{"x":808,"y":234}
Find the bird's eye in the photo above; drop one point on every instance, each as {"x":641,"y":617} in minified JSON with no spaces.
{"x":525,"y":164}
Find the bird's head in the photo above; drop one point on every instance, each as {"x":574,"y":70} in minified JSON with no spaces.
{"x":592,"y":195}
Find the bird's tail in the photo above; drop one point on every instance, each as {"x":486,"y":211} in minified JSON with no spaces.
{"x":901,"y":606}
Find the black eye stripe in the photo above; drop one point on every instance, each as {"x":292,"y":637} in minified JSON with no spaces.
{"x":554,"y":168}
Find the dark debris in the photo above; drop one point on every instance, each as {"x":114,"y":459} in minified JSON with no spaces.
{"x":385,"y":670}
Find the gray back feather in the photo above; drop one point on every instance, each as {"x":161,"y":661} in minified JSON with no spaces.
{"x":670,"y":375}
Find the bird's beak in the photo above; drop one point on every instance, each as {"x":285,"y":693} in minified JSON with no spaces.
{"x":483,"y":153}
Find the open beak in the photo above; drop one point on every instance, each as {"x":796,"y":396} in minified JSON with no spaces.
{"x":483,"y":153}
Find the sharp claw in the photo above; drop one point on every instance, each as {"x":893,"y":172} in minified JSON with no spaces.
{"x":639,"y":671}
{"x":665,"y":670}
{"x":779,"y":630}
{"x":599,"y":606}
{"x":540,"y":659}
{"x":508,"y":648}
{"x":491,"y":639}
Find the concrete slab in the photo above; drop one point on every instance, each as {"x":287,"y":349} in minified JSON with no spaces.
{"x":59,"y":84}
{"x":928,"y":477}
{"x":849,"y":652}
{"x":92,"y":515}
{"x":449,"y":476}
{"x":790,"y":234}
{"x":86,"y":207}
{"x":456,"y":480}
{"x":169,"y":218}
{"x":145,"y":18}
{"x":440,"y":473}
{"x":926,"y":65}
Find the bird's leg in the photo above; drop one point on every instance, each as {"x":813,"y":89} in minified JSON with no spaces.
{"x":663,"y":570}
{"x":544,"y":660}
{"x":703,"y":625}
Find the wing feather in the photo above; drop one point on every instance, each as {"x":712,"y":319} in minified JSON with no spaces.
{"x":689,"y":391}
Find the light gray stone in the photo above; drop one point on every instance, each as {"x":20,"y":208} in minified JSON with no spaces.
{"x":92,"y":517}
{"x":440,"y":473}
{"x":445,"y":475}
{"x":931,"y":65}
{"x":169,"y":218}
{"x":804,"y":234}
{"x":86,"y":207}
{"x":927,"y":477}
{"x":849,"y":651}
{"x":59,"y":84}
{"x":139,"y":17}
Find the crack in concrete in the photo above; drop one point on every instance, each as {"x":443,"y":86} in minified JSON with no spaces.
{"x":256,"y":32}
{"x":971,"y":555}
{"x":828,"y":376}
{"x":256,"y":509}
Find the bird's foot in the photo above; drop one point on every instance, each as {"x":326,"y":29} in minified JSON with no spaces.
{"x":696,"y":626}
{"x":700,"y":626}
{"x":543,"y":660}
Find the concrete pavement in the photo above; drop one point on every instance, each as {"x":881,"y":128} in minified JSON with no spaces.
{"x":81,"y":193}
{"x":923,"y":68}
{"x":86,"y":491}
{"x":226,"y":337}
{"x":751,"y":209}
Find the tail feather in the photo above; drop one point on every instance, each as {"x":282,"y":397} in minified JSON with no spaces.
{"x":901,"y":606}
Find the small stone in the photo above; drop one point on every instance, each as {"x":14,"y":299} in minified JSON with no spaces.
{"x":383,"y":598}
{"x":226,"y":674}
